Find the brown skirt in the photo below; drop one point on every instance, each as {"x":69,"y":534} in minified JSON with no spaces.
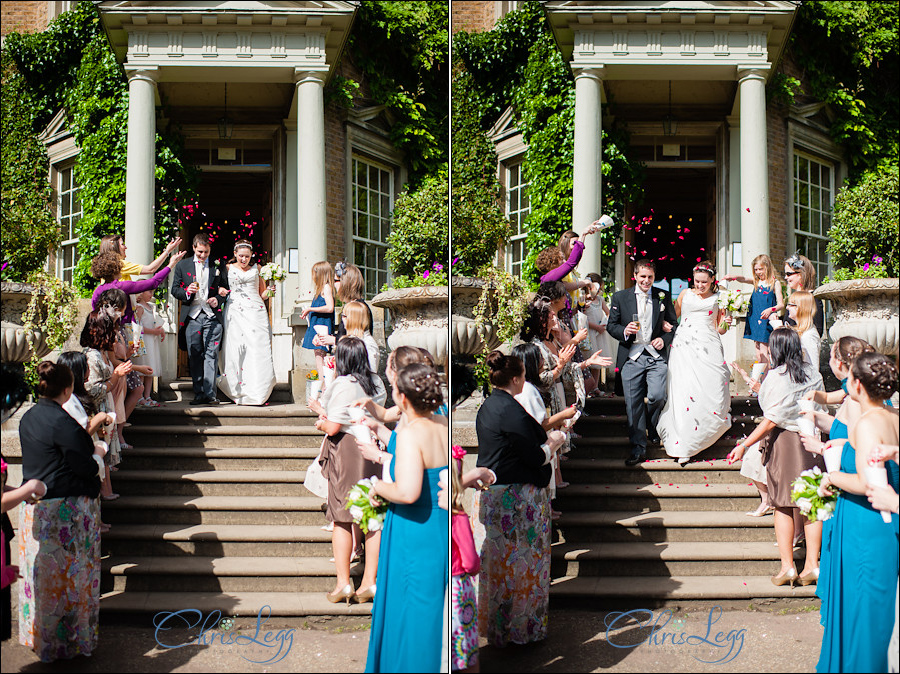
{"x":343,"y":466}
{"x":784,"y":458}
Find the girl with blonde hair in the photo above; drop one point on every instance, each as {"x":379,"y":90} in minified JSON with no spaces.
{"x":801,"y":306}
{"x":321,"y":311}
{"x":765,"y":302}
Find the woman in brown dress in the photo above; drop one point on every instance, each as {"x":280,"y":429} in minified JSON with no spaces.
{"x":342,"y":463}
{"x":788,"y":381}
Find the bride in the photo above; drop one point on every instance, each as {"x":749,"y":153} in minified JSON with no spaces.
{"x":698,"y":402}
{"x":248,"y":374}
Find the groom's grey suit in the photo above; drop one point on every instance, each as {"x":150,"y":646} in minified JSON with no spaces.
{"x":643,"y":369}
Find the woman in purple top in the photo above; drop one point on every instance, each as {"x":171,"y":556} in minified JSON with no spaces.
{"x":109,"y":266}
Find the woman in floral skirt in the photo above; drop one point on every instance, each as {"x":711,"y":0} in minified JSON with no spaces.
{"x":59,"y":544}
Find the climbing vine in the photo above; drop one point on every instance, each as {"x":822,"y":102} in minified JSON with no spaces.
{"x":71,"y":66}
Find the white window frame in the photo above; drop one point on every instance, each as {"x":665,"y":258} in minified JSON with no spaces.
{"x":515,"y":213}
{"x":370,"y":144}
{"x":381,"y":214}
{"x":818,"y":216}
{"x":67,"y":223}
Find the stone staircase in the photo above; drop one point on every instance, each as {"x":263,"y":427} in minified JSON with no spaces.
{"x":213,"y":513}
{"x":658,"y":532}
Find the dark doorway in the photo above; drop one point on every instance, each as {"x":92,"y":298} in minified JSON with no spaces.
{"x":231,"y":206}
{"x":674,"y":225}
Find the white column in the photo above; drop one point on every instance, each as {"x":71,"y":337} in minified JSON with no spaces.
{"x":140,"y":184}
{"x":311,"y":230}
{"x":734,"y":192}
{"x":586,"y":187}
{"x":754,"y":167}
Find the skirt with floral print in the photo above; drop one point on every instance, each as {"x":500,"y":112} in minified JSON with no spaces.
{"x":513,"y":534}
{"x":464,"y":625}
{"x":59,"y":592}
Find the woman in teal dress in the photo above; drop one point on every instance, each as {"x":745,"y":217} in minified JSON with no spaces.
{"x":407,"y":618}
{"x":864,"y":558}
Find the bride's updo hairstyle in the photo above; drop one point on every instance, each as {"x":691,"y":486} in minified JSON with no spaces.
{"x":422,"y":387}
{"x":877,"y":374}
{"x":242,"y":243}
{"x":707,"y":267}
{"x":503,"y":368}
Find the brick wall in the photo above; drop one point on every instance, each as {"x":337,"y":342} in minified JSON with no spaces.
{"x":472,"y":17}
{"x":23,"y":17}
{"x":779,"y":177}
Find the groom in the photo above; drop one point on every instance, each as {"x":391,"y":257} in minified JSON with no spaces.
{"x":643,"y":352}
{"x":197,"y":283}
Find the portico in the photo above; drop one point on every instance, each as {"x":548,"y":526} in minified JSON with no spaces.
{"x":262,"y":67}
{"x":670,"y":70}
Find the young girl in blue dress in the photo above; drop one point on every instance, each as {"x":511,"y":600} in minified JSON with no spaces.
{"x":765,"y":302}
{"x":320,"y":312}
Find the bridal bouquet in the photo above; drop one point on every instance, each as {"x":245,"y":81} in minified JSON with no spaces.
{"x":805,"y":492}
{"x":272,"y":272}
{"x":733,"y":300}
{"x":368,"y":518}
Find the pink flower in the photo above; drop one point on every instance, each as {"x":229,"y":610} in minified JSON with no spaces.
{"x":425,"y":275}
{"x":866,"y":267}
{"x":458,"y":452}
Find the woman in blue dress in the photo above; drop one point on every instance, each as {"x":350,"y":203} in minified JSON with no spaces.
{"x":407,"y":618}
{"x":858,"y":613}
{"x":320,"y":312}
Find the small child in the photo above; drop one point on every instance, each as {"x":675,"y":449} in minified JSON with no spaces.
{"x":597,"y":312}
{"x":154,"y":334}
{"x":321,"y":311}
{"x":765,"y":302}
{"x":464,"y":563}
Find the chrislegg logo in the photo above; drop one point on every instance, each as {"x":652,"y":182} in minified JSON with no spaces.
{"x":677,"y":633}
{"x":208,"y":634}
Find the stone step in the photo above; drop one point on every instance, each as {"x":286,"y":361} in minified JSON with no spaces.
{"x":216,"y":540}
{"x":183,"y":413}
{"x":618,"y":403}
{"x":183,"y":390}
{"x":657,"y":497}
{"x":224,"y":458}
{"x":667,"y":559}
{"x":228,"y":604}
{"x":570,"y":590}
{"x":248,"y":510}
{"x":223,"y":436}
{"x":627,"y":526}
{"x":654,"y":471}
{"x":222,"y":574}
{"x":596,"y":421}
{"x":210,"y":482}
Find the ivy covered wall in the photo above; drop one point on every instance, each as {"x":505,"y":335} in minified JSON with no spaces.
{"x":70,"y":65}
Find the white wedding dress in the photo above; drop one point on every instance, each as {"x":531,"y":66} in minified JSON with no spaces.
{"x":245,"y":358}
{"x":698,"y":402}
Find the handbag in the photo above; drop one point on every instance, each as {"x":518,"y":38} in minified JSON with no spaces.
{"x":314,"y":481}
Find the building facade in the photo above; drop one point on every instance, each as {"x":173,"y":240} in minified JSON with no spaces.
{"x":244,"y":83}
{"x":729,"y":174}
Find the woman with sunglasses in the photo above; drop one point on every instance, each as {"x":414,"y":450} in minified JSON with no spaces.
{"x":800,"y":274}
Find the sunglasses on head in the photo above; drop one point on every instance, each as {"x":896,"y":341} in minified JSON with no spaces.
{"x":791,"y":273}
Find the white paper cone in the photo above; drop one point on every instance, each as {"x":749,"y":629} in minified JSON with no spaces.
{"x":807,"y":426}
{"x":757,"y":370}
{"x":876,"y":476}
{"x":833,"y":458}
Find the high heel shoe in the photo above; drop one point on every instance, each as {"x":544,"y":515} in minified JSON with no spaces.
{"x":810,"y":578}
{"x":344,"y":594}
{"x":762,"y":511}
{"x":368,"y":594}
{"x":785,"y":577}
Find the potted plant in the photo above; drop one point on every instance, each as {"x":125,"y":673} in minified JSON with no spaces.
{"x":864,"y":240}
{"x":419,"y":259}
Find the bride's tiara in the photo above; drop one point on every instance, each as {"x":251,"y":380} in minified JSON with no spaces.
{"x":243,"y":244}
{"x":705,"y":267}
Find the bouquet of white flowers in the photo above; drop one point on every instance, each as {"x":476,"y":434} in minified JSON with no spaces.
{"x":733,"y":300}
{"x":272,"y":272}
{"x":806,"y":493}
{"x":368,"y":518}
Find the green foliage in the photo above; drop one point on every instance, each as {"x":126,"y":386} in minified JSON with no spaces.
{"x":29,"y":231}
{"x":71,"y":65}
{"x":518,"y":64}
{"x":52,"y":310}
{"x":783,"y":88}
{"x":418,"y":243}
{"x":850,"y":53}
{"x":401,"y":48}
{"x":503,"y":304}
{"x":864,"y":233}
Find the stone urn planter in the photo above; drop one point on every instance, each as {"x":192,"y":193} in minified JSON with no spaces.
{"x":419,"y":317}
{"x":865,"y":308}
{"x":464,"y":337}
{"x":15,"y":348}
